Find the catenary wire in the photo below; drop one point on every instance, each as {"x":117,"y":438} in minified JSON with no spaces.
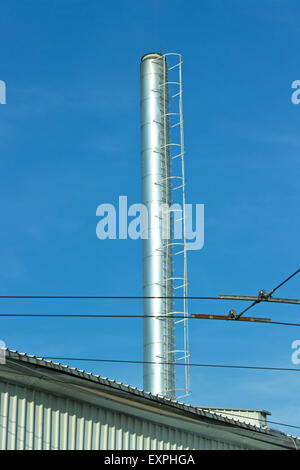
{"x":284,"y":282}
{"x":104,"y":297}
{"x":193,"y":364}
{"x":268,"y":295}
{"x":190,"y":317}
{"x":66,"y":315}
{"x":136,"y":297}
{"x":252,"y":298}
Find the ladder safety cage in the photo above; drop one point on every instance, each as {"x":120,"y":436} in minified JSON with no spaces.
{"x":172,"y":128}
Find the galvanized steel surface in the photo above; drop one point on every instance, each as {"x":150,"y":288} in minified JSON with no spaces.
{"x":157,"y":257}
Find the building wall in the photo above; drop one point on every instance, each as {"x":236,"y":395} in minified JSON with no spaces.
{"x":35,"y":420}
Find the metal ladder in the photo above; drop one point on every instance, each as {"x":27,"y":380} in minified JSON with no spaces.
{"x":175,"y":266}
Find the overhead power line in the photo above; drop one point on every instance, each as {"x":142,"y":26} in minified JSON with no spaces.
{"x":253,"y":298}
{"x":193,"y":316}
{"x":284,"y":282}
{"x":264,"y":295}
{"x":283,"y":323}
{"x":139,"y":297}
{"x":243,"y":319}
{"x":103,"y":297}
{"x":123,"y":361}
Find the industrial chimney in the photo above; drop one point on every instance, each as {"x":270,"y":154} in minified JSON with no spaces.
{"x":159,"y":279}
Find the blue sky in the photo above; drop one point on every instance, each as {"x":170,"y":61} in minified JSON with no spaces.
{"x":70,"y":140}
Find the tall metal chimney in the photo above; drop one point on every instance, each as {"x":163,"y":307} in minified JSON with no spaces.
{"x":158,"y":275}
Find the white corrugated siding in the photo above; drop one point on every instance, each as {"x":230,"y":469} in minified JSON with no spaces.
{"x":32,"y":419}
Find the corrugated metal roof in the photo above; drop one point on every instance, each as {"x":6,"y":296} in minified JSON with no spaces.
{"x":251,"y":410}
{"x":133,"y":392}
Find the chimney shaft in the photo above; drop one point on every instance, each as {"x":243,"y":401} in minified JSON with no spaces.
{"x":157,"y":254}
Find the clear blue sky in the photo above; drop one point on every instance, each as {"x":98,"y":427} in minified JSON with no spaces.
{"x":70,"y":140}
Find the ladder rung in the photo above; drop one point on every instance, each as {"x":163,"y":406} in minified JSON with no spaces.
{"x":179,"y":351}
{"x":171,"y":114}
{"x":175,"y":125}
{"x":170,"y":145}
{"x":176,"y":313}
{"x":173,"y":278}
{"x":169,"y":83}
{"x":173,"y":67}
{"x":176,"y":156}
{"x":172,"y":178}
{"x":177,"y":94}
{"x":171,"y":244}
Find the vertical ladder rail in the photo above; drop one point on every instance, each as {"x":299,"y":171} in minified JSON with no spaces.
{"x":171,"y":193}
{"x":186,"y":325}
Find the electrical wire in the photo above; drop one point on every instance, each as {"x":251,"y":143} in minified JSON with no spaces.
{"x":284,"y":282}
{"x":251,"y":298}
{"x":123,"y":361}
{"x":137,"y":297}
{"x":268,"y":295}
{"x":104,"y":297}
{"x":175,"y":317}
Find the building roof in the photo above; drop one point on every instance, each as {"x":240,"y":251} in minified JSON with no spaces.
{"x":134,"y":394}
{"x":252,"y":410}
